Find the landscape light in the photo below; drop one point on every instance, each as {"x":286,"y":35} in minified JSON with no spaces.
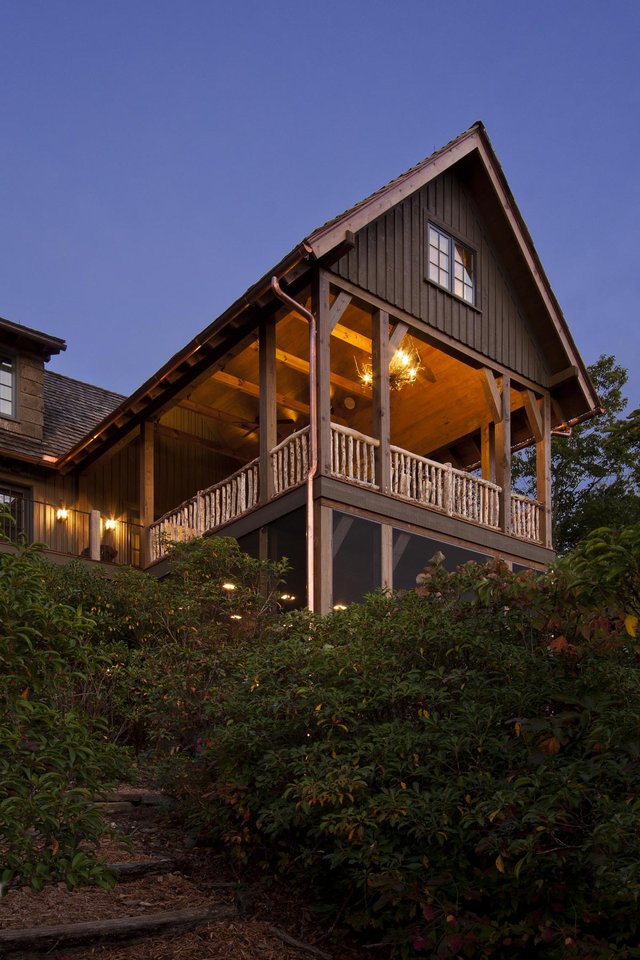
{"x":228,"y":586}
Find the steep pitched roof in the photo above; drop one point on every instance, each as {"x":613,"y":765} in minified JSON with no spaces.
{"x":210,"y":344}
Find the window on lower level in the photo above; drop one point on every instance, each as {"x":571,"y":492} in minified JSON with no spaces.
{"x":451,"y":264}
{"x":7,"y":387}
{"x":15,"y":512}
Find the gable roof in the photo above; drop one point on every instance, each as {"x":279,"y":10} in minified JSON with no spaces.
{"x":26,"y":340}
{"x":472,"y":146}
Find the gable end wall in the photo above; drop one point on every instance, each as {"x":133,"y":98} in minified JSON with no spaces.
{"x":390,"y":260}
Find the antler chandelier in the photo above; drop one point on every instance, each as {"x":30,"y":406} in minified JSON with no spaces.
{"x":404,"y":367}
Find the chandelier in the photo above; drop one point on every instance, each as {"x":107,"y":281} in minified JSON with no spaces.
{"x":404,"y":367}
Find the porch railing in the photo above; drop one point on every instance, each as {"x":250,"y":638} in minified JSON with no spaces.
{"x":209,"y":509}
{"x":442,"y":486}
{"x":525,"y":517}
{"x":353,"y":455}
{"x":290,"y":461}
{"x":65,"y":530}
{"x":353,"y":458}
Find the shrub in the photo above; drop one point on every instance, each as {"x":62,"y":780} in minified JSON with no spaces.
{"x":53,"y":757}
{"x":458,"y":767}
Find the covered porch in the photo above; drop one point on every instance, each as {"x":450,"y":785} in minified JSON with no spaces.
{"x":403,"y":414}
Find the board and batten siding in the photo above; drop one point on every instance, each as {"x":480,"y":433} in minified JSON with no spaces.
{"x":390,"y":260}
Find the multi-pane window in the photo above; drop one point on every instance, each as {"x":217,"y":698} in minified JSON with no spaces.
{"x":451,"y":264}
{"x":7,"y":387}
{"x":15,"y":513}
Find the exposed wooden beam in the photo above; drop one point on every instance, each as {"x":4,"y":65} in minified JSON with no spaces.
{"x":321,"y":308}
{"x":338,"y":307}
{"x":302,"y":366}
{"x":533,"y":414}
{"x":399,"y":333}
{"x":488,"y":452}
{"x":492,"y":394}
{"x":569,"y":373}
{"x":381,"y":399}
{"x":352,"y":338}
{"x":253,"y":390}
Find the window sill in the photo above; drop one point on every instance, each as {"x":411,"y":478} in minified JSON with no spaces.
{"x":454,"y":296}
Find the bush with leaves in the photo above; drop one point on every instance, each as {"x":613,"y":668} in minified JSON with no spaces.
{"x":54,"y":758}
{"x":458,"y":768}
{"x":168,"y":642}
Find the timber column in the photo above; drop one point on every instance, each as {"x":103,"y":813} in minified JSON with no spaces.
{"x":147,"y":489}
{"x":503,"y":455}
{"x":543,"y":473}
{"x":323,"y":518}
{"x":268,"y":410}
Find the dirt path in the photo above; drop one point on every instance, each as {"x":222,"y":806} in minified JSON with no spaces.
{"x":163,"y":880}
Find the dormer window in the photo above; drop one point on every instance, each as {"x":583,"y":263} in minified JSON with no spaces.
{"x":7,"y":386}
{"x":451,"y":264}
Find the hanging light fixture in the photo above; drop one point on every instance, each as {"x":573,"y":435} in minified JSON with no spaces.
{"x":404,"y":367}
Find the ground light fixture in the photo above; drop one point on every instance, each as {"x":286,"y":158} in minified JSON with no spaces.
{"x":227,"y":585}
{"x":339,"y":606}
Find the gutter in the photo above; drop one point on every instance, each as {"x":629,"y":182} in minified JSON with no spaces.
{"x":313,"y":433}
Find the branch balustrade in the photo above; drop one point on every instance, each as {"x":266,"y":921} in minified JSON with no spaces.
{"x":525,"y":517}
{"x":437,"y":486}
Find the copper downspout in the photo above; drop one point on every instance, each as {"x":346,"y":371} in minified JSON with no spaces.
{"x":313,"y":433}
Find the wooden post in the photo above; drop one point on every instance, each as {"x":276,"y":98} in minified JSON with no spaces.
{"x":268,"y":409}
{"x":543,"y":473}
{"x":147,"y":488}
{"x":381,"y":399}
{"x":447,"y":489}
{"x":320,"y":307}
{"x":387,"y":556}
{"x":323,"y":586}
{"x":488,"y":452}
{"x":94,"y":535}
{"x":503,"y":456}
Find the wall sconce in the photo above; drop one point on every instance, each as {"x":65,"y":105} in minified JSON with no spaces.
{"x":110,"y":524}
{"x":62,"y":514}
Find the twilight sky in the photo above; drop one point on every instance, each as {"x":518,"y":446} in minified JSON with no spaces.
{"x":157,"y":157}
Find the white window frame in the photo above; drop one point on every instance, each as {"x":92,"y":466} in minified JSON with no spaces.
{"x":445,"y":266}
{"x":7,"y":358}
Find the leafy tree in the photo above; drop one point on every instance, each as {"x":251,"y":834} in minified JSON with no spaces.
{"x":596,"y":471}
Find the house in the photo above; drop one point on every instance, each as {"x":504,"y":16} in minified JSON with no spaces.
{"x":355,"y":410}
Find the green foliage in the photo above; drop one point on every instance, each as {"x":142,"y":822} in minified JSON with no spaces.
{"x":596,"y":471}
{"x":167,"y":642}
{"x":459,"y":767}
{"x":53,"y":757}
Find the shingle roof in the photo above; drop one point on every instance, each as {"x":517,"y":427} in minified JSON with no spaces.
{"x":71,"y":409}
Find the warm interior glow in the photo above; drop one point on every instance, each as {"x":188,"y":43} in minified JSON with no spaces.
{"x":404,"y":367}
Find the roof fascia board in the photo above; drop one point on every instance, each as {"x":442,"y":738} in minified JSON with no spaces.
{"x":323,"y":240}
{"x":516,"y":223}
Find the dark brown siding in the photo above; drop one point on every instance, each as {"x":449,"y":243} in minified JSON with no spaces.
{"x":390,"y":260}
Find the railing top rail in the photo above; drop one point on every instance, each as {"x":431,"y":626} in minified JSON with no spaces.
{"x":523,"y":499}
{"x":171,"y":513}
{"x":232,"y":476}
{"x":43,"y":503}
{"x":443,"y":466}
{"x":292,"y":436}
{"x":350,"y":432}
{"x":479,"y":480}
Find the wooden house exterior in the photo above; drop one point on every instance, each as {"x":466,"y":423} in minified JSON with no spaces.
{"x":357,"y":409}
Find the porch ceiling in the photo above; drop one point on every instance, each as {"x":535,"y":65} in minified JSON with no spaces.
{"x":439,"y":416}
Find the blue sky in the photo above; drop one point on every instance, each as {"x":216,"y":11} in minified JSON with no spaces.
{"x":157,"y":157}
